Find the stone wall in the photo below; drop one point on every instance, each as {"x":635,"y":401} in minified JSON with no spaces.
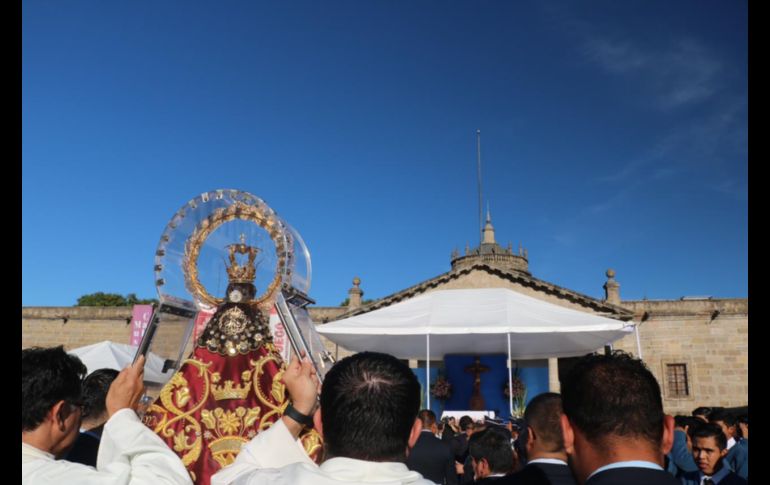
{"x":709,"y":336}
{"x":76,"y":327}
{"x":713,"y":346}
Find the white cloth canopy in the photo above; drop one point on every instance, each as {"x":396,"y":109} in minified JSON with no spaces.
{"x":110,"y":355}
{"x":476,"y":321}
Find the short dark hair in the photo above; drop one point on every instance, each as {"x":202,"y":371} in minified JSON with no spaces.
{"x":95,"y":387}
{"x":369,"y":402}
{"x":543,"y":414}
{"x":606,"y":395}
{"x":48,"y":375}
{"x":725,"y":416}
{"x":701,"y":411}
{"x":464,"y":422}
{"x":683,"y":421}
{"x":427,"y":418}
{"x":709,"y":430}
{"x":494,"y":446}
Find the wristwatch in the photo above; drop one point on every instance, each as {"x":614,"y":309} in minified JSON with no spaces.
{"x":297,"y":416}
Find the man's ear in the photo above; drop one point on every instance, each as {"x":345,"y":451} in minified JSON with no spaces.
{"x":484,"y":470}
{"x":415,"y":433}
{"x":668,"y":434}
{"x":58,"y":414}
{"x":568,"y":434}
{"x":318,"y":422}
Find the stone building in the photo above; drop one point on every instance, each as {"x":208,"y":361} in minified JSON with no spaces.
{"x":696,"y":347}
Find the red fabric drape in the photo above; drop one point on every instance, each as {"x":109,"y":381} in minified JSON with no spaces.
{"x":214,"y":403}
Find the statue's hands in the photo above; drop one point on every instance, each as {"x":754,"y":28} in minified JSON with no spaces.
{"x":302,"y":384}
{"x":127,"y":388}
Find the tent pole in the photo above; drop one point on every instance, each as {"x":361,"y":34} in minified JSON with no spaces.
{"x":510,"y":378}
{"x":427,"y":371}
{"x":638,"y":343}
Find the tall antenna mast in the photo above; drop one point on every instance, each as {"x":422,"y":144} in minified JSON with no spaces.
{"x":478,"y":160}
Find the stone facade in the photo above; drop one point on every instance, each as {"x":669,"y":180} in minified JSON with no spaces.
{"x":708,"y":336}
{"x":76,"y":327}
{"x":697,"y":348}
{"x":714,"y":350}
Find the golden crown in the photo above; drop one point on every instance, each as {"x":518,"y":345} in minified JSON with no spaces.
{"x":230,"y":390}
{"x":236,"y":272}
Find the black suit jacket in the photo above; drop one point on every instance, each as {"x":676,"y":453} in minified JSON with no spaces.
{"x":85,"y":449}
{"x":433,"y":459}
{"x":633,"y":476}
{"x":542,"y":474}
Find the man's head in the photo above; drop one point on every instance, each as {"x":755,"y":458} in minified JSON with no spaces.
{"x":684,"y":422}
{"x":725,"y":420}
{"x":490,"y":452}
{"x":613,"y":409}
{"x":466,"y":424}
{"x":427,"y":419}
{"x":541,"y":436}
{"x":702,"y":413}
{"x":50,"y":398}
{"x":709,"y":446}
{"x":369,"y":404}
{"x":743,"y":426}
{"x":95,"y":388}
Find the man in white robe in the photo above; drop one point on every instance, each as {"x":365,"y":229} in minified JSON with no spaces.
{"x":129,"y":452}
{"x":368,"y":420}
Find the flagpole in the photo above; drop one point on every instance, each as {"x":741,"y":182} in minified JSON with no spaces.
{"x":427,"y":371}
{"x":478,"y":165}
{"x":510,"y":378}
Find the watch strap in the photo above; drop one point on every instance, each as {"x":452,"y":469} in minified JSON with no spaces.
{"x":297,"y":416}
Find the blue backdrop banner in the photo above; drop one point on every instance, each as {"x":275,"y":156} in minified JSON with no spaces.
{"x":533,"y":373}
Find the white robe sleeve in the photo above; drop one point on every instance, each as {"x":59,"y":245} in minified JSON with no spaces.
{"x":273,"y":448}
{"x":129,"y":454}
{"x":130,"y":449}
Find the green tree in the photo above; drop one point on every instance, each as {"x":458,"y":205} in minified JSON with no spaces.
{"x":112,"y":299}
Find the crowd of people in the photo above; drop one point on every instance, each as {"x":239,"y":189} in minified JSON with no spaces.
{"x":606,"y":427}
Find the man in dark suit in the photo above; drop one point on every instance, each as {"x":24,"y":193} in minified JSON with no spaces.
{"x":491,"y":456}
{"x":709,"y":449}
{"x":541,"y":444}
{"x":95,"y":388}
{"x":737,"y":453}
{"x":430,"y":456}
{"x":613,"y":423}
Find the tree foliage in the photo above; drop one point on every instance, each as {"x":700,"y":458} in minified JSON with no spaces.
{"x":113,"y":299}
{"x":346,"y":301}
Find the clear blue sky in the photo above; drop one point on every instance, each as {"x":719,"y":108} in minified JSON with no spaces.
{"x":613,"y":134}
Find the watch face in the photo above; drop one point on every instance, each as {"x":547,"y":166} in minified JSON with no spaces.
{"x":235,"y":296}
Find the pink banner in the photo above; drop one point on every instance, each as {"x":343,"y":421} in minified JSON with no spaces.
{"x":280,"y":339}
{"x":140,"y":318}
{"x":204,"y":315}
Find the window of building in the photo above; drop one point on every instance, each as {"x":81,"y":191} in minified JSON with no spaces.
{"x":676,"y":380}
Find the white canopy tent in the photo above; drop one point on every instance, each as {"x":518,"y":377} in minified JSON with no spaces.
{"x":110,"y":355}
{"x":476,"y":321}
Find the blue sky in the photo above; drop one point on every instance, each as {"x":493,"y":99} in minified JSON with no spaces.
{"x":613,"y":134}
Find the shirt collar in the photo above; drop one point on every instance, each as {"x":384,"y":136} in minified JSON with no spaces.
{"x":627,"y":464}
{"x":350,"y":469}
{"x":552,"y":461}
{"x":31,"y":451}
{"x":718,"y":476}
{"x":730,"y":443}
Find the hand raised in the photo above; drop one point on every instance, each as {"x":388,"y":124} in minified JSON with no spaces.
{"x":302,"y":384}
{"x":127,"y":388}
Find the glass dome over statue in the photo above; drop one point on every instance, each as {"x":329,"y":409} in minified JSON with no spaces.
{"x":226,"y":250}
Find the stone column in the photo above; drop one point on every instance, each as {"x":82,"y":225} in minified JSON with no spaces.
{"x":553,"y":375}
{"x":354,"y":294}
{"x":612,"y":288}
